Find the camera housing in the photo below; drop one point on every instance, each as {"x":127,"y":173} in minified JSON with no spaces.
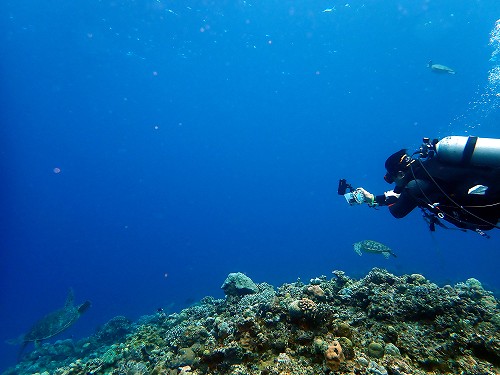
{"x":352,"y":196}
{"x":344,"y":186}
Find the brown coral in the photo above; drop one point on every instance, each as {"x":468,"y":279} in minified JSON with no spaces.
{"x":246,"y":341}
{"x":334,"y":356}
{"x":307,"y":305}
{"x":302,"y":308}
{"x":316,"y":292}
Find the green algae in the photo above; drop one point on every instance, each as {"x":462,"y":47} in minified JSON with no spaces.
{"x":375,"y":350}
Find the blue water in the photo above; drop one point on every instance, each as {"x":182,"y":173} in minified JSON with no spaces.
{"x":149,"y":148}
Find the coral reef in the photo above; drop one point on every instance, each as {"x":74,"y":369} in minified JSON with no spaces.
{"x":380,"y":324}
{"x":334,"y":356}
{"x":238,"y":284}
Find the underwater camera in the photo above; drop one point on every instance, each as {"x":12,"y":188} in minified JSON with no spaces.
{"x":352,"y":196}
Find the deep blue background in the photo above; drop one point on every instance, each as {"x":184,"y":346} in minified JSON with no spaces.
{"x":198,"y":138}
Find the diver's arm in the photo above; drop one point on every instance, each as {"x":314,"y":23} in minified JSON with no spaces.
{"x":386,"y":199}
{"x":410,"y":197}
{"x":403,"y":206}
{"x":401,"y":201}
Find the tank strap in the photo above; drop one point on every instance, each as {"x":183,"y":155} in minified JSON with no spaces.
{"x":470,"y":145}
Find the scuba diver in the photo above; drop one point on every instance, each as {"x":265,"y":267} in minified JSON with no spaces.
{"x":456,"y":179}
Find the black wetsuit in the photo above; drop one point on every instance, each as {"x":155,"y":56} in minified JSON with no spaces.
{"x":442,"y":189}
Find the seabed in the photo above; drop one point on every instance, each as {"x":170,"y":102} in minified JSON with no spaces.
{"x":380,"y":324}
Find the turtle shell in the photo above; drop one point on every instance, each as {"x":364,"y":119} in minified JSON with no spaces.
{"x":53,"y":323}
{"x":374,"y":246}
{"x":57,"y":321}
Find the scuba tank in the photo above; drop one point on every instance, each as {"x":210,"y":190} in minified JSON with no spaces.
{"x":475,"y":151}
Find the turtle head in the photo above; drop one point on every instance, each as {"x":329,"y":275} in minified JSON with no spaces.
{"x":84,"y":307}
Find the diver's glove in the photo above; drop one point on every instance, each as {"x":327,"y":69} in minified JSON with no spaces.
{"x":368,"y":197}
{"x":391,"y":194}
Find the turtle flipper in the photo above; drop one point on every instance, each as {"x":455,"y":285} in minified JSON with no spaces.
{"x":69,"y":298}
{"x":17,"y":341}
{"x":21,"y":350}
{"x":357,"y":248}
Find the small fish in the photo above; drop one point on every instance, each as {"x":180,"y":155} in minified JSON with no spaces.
{"x":374,"y":247}
{"x":438,"y":68}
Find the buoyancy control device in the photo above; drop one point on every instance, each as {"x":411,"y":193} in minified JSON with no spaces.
{"x":464,"y":151}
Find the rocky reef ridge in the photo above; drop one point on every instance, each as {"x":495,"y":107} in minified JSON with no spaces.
{"x":380,"y":324}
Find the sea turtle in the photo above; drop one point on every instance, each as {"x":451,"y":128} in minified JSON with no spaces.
{"x":438,"y":68}
{"x":53,"y":323}
{"x":374,"y":247}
